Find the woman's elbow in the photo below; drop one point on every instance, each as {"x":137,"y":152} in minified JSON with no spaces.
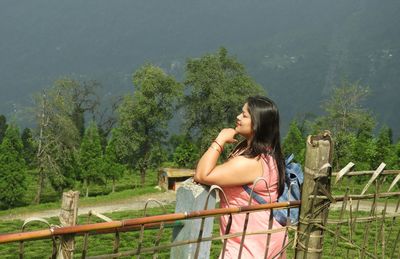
{"x":200,"y":177}
{"x":197,"y":178}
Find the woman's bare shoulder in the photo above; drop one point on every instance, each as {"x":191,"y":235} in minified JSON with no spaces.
{"x":243,"y":162}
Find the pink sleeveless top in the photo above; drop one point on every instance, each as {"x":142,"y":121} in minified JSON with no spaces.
{"x":254,"y":246}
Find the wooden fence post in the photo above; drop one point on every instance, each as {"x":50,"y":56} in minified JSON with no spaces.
{"x":317,"y":174}
{"x":68,"y":217}
{"x":192,"y":197}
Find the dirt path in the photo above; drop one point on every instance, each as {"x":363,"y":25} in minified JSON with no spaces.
{"x":366,"y":206}
{"x":138,"y":202}
{"x":134,"y":203}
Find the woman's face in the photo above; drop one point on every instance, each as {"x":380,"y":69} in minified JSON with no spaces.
{"x":243,"y":123}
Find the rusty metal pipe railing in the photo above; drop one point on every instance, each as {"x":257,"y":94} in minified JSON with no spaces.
{"x":95,"y":227}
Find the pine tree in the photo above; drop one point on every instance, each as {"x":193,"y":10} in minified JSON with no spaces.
{"x":397,"y":154}
{"x":294,"y":143}
{"x":385,"y":149}
{"x":365,"y":151}
{"x":113,"y":167}
{"x":3,"y":127}
{"x":29,"y":147}
{"x":91,"y":158}
{"x":12,"y":169}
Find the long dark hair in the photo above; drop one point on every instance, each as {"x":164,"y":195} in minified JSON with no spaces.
{"x":266,"y":135}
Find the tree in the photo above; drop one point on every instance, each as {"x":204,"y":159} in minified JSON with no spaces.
{"x":3,"y":127}
{"x":84,"y":99}
{"x":397,"y":152}
{"x":186,"y":153}
{"x":144,"y":117}
{"x":345,"y":117}
{"x":345,"y":145}
{"x":344,"y":109}
{"x":385,"y":150}
{"x":106,"y":118}
{"x":91,"y":158}
{"x":364,"y":152}
{"x":217,"y":87}
{"x":295,"y":143}
{"x":113,"y":167}
{"x":58,"y":138}
{"x":29,"y":147}
{"x":12,"y":169}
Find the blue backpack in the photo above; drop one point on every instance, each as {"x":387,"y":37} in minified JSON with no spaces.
{"x":292,"y":192}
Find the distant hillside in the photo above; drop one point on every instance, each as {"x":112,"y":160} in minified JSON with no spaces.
{"x":296,"y":49}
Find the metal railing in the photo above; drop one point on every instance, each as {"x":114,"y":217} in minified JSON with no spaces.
{"x":54,"y":233}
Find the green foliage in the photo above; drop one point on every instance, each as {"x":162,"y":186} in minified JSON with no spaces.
{"x":295,"y":143}
{"x":58,"y":137}
{"x":344,"y":111}
{"x":186,"y":152}
{"x":345,"y":118}
{"x":385,"y":150}
{"x":344,"y":146}
{"x":144,"y":118}
{"x":103,"y":138}
{"x":113,"y":168}
{"x":126,"y":187}
{"x":12,"y":169}
{"x":83,"y":99}
{"x":29,"y":147}
{"x":397,"y":152}
{"x":3,"y":127}
{"x":218,"y":86}
{"x":78,"y":117}
{"x":91,"y":157}
{"x":364,"y":152}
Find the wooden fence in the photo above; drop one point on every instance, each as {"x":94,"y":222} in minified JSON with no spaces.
{"x":361,"y":222}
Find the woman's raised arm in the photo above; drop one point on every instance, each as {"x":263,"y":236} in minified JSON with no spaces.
{"x":237,"y":171}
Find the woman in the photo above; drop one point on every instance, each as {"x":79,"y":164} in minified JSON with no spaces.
{"x":258,"y":155}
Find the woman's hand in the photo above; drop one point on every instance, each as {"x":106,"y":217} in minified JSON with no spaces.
{"x":226,"y":136}
{"x":209,"y":159}
{"x":235,"y":172}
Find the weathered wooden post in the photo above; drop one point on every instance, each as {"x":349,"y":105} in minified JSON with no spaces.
{"x":192,"y":197}
{"x":314,"y":212}
{"x":68,"y":217}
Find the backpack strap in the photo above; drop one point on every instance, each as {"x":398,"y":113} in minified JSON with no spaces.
{"x":289,"y":159}
{"x":254,"y":195}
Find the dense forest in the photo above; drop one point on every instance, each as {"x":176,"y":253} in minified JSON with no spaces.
{"x":77,"y":140}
